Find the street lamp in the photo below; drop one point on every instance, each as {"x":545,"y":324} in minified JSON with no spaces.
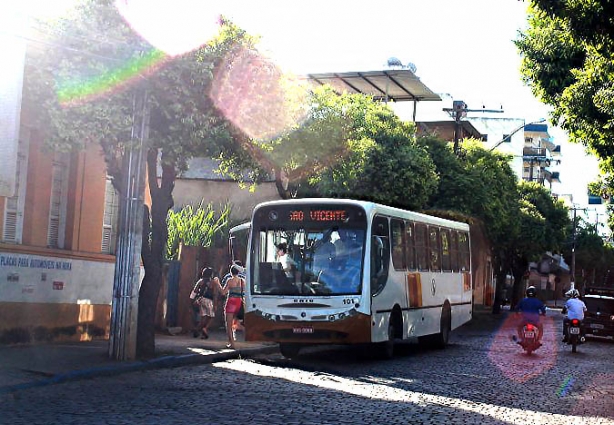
{"x":516,"y":130}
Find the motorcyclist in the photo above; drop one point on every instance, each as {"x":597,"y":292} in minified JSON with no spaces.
{"x":574,"y":308}
{"x":531,"y":307}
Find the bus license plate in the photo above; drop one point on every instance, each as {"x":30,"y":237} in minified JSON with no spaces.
{"x":574,"y":331}
{"x":596,"y":326}
{"x":529,"y":334}
{"x":302,"y":330}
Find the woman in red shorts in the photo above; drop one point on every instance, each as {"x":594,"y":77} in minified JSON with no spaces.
{"x":234,"y":289}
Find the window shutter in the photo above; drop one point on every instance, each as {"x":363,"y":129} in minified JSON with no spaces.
{"x":57,"y":208}
{"x":14,"y":206}
{"x":10,"y":226}
{"x":109,"y":223}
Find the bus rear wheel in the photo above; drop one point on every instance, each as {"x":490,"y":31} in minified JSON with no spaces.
{"x":441,"y":339}
{"x":289,"y":351}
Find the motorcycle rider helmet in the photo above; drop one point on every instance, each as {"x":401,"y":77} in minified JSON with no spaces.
{"x":572,"y":293}
{"x":531,"y":291}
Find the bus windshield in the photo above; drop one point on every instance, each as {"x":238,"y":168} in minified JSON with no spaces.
{"x":307,"y":257}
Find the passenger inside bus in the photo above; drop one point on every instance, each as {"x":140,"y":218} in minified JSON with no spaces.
{"x":287,"y":263}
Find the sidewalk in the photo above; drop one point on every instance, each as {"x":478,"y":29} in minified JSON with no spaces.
{"x":27,"y":366}
{"x":34,"y":365}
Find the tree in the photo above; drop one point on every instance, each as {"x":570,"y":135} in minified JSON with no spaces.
{"x":380,"y":160}
{"x":544,"y":226}
{"x":594,"y":257}
{"x":82,"y":88}
{"x":481,"y":185}
{"x":567,"y":59}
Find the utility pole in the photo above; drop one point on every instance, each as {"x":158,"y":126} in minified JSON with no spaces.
{"x":573,"y":248}
{"x":124,"y":309}
{"x":458,"y":112}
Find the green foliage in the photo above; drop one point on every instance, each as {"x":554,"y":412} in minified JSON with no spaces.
{"x":594,"y":257}
{"x":195,"y":226}
{"x":568,"y":60}
{"x":373,"y":154}
{"x":82,"y":89}
{"x":455,"y":183}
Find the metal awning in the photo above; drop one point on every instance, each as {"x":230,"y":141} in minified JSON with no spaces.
{"x":394,"y":84}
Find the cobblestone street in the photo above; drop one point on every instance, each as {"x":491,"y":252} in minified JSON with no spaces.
{"x":481,"y":378}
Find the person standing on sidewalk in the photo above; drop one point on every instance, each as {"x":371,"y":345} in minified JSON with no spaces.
{"x":238,"y":321}
{"x":234,"y":290}
{"x":204,"y":296}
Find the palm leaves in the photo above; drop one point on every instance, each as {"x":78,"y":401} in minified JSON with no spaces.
{"x":195,"y":226}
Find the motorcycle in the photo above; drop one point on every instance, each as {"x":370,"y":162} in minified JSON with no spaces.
{"x":574,"y":334}
{"x":529,"y":338}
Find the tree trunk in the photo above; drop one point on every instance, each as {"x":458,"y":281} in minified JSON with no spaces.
{"x":520,"y":267}
{"x":501,"y":266}
{"x":152,"y":253}
{"x":281,"y":183}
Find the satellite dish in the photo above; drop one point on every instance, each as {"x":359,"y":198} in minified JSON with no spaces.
{"x":392,"y":61}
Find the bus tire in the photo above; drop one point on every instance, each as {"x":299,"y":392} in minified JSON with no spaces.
{"x":289,"y":351}
{"x":441,"y":339}
{"x":386,"y":348}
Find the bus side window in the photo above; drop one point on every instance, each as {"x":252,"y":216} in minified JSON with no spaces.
{"x":421,"y":247}
{"x":397,"y":228}
{"x":454,"y":262}
{"x":435,"y":249}
{"x":380,"y":254}
{"x":411,"y":246}
{"x":463,"y":242}
{"x":445,"y":250}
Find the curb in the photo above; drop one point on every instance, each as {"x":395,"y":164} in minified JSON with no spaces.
{"x":156,"y":363}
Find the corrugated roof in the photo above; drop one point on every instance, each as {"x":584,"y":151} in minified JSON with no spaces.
{"x":394,"y":84}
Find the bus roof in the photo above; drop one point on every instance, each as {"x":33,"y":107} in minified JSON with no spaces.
{"x":371,"y":208}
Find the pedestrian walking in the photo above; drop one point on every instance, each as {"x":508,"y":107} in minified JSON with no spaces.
{"x":204,"y":296}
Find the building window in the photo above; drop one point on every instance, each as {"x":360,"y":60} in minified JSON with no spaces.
{"x":58,"y":198}
{"x":15,"y":205}
{"x":507,"y":138}
{"x":109,"y":222}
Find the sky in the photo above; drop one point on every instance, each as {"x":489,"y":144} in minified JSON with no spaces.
{"x":460,"y":48}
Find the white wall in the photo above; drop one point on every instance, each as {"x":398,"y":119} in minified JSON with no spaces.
{"x":39,"y":279}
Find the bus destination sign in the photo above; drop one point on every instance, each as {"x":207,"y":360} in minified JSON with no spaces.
{"x":319,"y":215}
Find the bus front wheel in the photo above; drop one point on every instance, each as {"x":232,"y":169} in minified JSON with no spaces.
{"x":386,"y":348}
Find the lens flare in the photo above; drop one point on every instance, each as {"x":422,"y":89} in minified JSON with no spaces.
{"x":173,"y":26}
{"x":513,"y":362}
{"x":74,"y":92}
{"x":565,"y":386}
{"x":253,"y":93}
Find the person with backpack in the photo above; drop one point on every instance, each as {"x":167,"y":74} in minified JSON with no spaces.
{"x":204,"y":295}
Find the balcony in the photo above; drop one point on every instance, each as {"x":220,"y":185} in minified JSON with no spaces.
{"x":534,"y":153}
{"x":551,"y":176}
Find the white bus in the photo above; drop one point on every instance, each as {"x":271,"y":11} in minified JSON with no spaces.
{"x":359,"y":273}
